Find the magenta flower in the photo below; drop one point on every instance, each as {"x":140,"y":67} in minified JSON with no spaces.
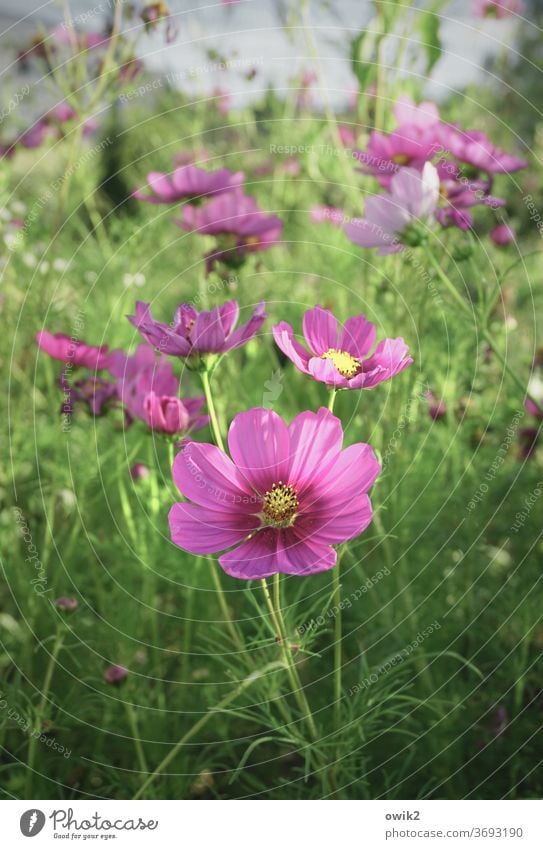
{"x":502,"y":235}
{"x":139,"y":472}
{"x":475,"y":149}
{"x":237,"y":221}
{"x":437,"y":408}
{"x":171,"y":415}
{"x":497,"y":8}
{"x":67,"y":604}
{"x":115,"y":674}
{"x":401,"y":216}
{"x":189,"y":183}
{"x":284,"y":499}
{"x":342,"y":359}
{"x":74,"y":351}
{"x":195,"y":333}
{"x":93,"y":391}
{"x":457,"y":195}
{"x":138,"y":375}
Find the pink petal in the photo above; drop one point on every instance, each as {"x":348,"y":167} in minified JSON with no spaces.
{"x":203,"y":531}
{"x":285,"y":341}
{"x":352,"y":474}
{"x":253,"y":559}
{"x":320,"y":330}
{"x":315,"y":443}
{"x":332,"y":528}
{"x":259,"y":444}
{"x":204,"y":474}
{"x":357,"y":336}
{"x":325,"y":372}
{"x":302,"y":556}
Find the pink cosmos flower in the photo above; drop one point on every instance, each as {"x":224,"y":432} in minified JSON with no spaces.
{"x":74,"y":351}
{"x":93,"y":391}
{"x":115,"y":674}
{"x":171,"y":415}
{"x":458,"y":194}
{"x":195,"y":333}
{"x":288,"y":494}
{"x":475,"y":149}
{"x":437,"y":408}
{"x":188,"y":183}
{"x":342,"y":358}
{"x":502,"y":235}
{"x":497,"y":8}
{"x":139,"y":374}
{"x":401,"y":216}
{"x":236,"y":219}
{"x":412,"y":143}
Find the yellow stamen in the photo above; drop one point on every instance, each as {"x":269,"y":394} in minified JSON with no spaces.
{"x":280,"y":505}
{"x":401,"y":159}
{"x":346,"y":364}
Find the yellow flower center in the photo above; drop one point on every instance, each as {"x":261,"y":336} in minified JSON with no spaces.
{"x":346,"y":364}
{"x":400,"y":159}
{"x":280,"y":505}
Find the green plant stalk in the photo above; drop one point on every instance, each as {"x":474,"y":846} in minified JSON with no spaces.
{"x":295,"y":683}
{"x":254,"y":676}
{"x":214,"y":421}
{"x":485,"y":332}
{"x":140,"y":754}
{"x":57,"y":646}
{"x":332,"y":399}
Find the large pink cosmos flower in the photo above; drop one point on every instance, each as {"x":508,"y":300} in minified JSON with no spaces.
{"x":235,"y":218}
{"x":284,"y":499}
{"x":401,"y":216}
{"x":189,"y":182}
{"x":342,"y":359}
{"x":497,"y":8}
{"x":74,"y":351}
{"x":193,"y":333}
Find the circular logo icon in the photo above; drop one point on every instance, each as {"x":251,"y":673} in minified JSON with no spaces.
{"x":32,"y":822}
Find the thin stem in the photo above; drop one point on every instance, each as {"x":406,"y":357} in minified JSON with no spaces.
{"x":254,"y":676}
{"x":59,"y":636}
{"x":295,"y":683}
{"x":140,"y":754}
{"x":234,"y":633}
{"x":211,"y":409}
{"x":332,"y":399}
{"x":486,"y":333}
{"x":338,"y":654}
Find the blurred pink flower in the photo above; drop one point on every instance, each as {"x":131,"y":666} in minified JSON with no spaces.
{"x":502,"y":235}
{"x":288,"y":494}
{"x":189,"y":183}
{"x":497,"y":8}
{"x":401,"y":216}
{"x":475,"y":149}
{"x":67,"y":349}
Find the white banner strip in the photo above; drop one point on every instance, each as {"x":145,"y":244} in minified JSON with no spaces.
{"x":260,"y":825}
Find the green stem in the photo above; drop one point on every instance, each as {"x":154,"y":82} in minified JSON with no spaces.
{"x":338,"y":654}
{"x":234,"y":633}
{"x":332,"y":398}
{"x":485,"y":332}
{"x":295,"y":683}
{"x":211,"y":410}
{"x":36,"y":731}
{"x":251,"y":679}
{"x":140,"y":754}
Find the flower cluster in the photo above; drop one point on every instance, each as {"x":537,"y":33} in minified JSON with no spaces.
{"x":287,"y":493}
{"x":143,"y":384}
{"x":432,"y":172}
{"x":234,"y":218}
